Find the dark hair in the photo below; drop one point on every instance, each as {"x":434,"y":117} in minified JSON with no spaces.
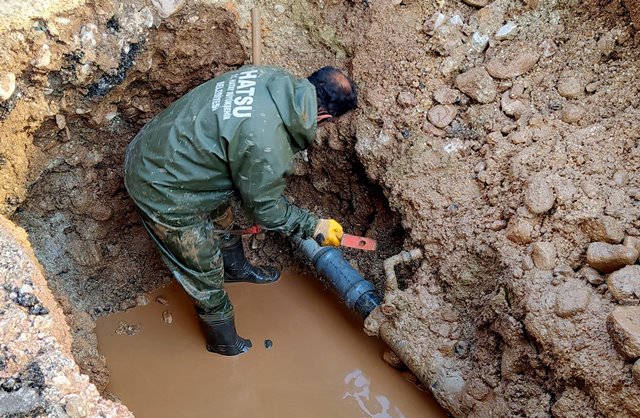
{"x":337,"y":93}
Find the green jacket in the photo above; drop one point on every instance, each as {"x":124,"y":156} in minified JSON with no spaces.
{"x":234,"y":135}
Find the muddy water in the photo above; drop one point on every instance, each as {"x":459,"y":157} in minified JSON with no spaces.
{"x":320,"y":363}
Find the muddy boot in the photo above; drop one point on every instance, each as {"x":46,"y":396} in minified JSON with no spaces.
{"x":238,"y":269}
{"x":222,"y":337}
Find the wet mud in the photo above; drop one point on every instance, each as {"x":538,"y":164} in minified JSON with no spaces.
{"x":309,"y":358}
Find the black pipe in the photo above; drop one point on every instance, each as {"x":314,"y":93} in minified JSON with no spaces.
{"x":356,"y":292}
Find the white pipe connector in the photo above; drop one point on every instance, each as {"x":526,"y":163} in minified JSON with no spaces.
{"x":389,"y":265}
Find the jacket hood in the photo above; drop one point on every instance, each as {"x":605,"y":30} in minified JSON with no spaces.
{"x":298,"y":107}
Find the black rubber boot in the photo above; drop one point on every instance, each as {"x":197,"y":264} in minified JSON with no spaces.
{"x":238,"y":269}
{"x":222,"y":337}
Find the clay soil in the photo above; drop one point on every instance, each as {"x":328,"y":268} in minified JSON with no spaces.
{"x":500,"y":138}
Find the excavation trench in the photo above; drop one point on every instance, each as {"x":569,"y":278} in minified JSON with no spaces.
{"x":499,"y":140}
{"x":99,"y":261}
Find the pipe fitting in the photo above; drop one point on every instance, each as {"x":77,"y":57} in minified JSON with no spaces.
{"x":390,"y":263}
{"x":356,"y":292}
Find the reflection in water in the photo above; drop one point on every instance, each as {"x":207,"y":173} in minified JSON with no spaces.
{"x":359,"y":388}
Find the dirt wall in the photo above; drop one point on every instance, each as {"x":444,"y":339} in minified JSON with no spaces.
{"x":505,"y":135}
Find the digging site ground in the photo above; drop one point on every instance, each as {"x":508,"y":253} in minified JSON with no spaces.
{"x":500,"y":138}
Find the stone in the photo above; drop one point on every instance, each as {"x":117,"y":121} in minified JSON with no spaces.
{"x":520,"y":64}
{"x":572,"y":297}
{"x":477,"y":3}
{"x":22,"y":402}
{"x":572,"y":113}
{"x":620,"y":178}
{"x":61,"y":122}
{"x":432,"y":24}
{"x":442,"y":115}
{"x":543,"y":255}
{"x":44,"y":57}
{"x":592,"y":87}
{"x":519,"y":137}
{"x":633,"y":242}
{"x":75,"y":407}
{"x":162,"y":300}
{"x":167,"y":317}
{"x":519,"y":230}
{"x":432,"y":130}
{"x":477,"y":84}
{"x":512,"y":107}
{"x":446,"y":96}
{"x":166,"y":8}
{"x":539,"y":196}
{"x":603,"y":228}
{"x":479,"y":42}
{"x":142,"y":300}
{"x":607,"y":258}
{"x":7,"y":86}
{"x":606,"y":43}
{"x":407,"y":99}
{"x":570,"y":87}
{"x":563,"y":270}
{"x":591,"y":275}
{"x":635,"y":372}
{"x":624,"y":284}
{"x":623,"y":324}
{"x":506,"y":31}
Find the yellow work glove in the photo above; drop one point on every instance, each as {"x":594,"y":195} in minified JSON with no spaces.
{"x":328,"y":232}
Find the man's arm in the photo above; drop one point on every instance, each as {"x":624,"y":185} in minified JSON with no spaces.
{"x":258,"y":168}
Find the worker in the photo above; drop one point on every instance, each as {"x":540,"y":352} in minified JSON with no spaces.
{"x":231,"y":138}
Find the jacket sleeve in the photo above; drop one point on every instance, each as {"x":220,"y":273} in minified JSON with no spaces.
{"x":258,"y":167}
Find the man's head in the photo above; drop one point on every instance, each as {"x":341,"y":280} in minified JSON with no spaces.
{"x":337,"y":94}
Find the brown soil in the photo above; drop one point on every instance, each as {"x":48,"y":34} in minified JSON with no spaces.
{"x":535,"y":158}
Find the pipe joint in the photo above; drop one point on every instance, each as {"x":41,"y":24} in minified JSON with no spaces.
{"x":404,"y":257}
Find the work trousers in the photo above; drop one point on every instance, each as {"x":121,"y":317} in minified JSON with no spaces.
{"x":193,"y":255}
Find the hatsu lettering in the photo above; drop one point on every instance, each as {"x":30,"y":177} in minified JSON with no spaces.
{"x":245,"y":90}
{"x":238,"y":98}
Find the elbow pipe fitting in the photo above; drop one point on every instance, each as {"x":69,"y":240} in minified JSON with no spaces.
{"x":389,"y":265}
{"x":356,"y":292}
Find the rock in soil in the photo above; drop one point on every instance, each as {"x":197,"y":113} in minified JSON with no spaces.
{"x":543,"y":255}
{"x":572,"y":298}
{"x":607,"y":258}
{"x":446,"y":96}
{"x":442,"y":115}
{"x":570,"y":87}
{"x":603,"y":228}
{"x":514,"y":67}
{"x":624,"y":284}
{"x":623,"y":324}
{"x":591,"y":275}
{"x":636,"y":371}
{"x":572,"y":113}
{"x":477,"y":84}
{"x":632,"y":242}
{"x":539,"y":196}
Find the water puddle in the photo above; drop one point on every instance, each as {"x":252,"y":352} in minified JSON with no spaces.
{"x":319,"y":362}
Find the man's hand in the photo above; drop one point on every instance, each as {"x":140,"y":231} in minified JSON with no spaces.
{"x":328,"y":232}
